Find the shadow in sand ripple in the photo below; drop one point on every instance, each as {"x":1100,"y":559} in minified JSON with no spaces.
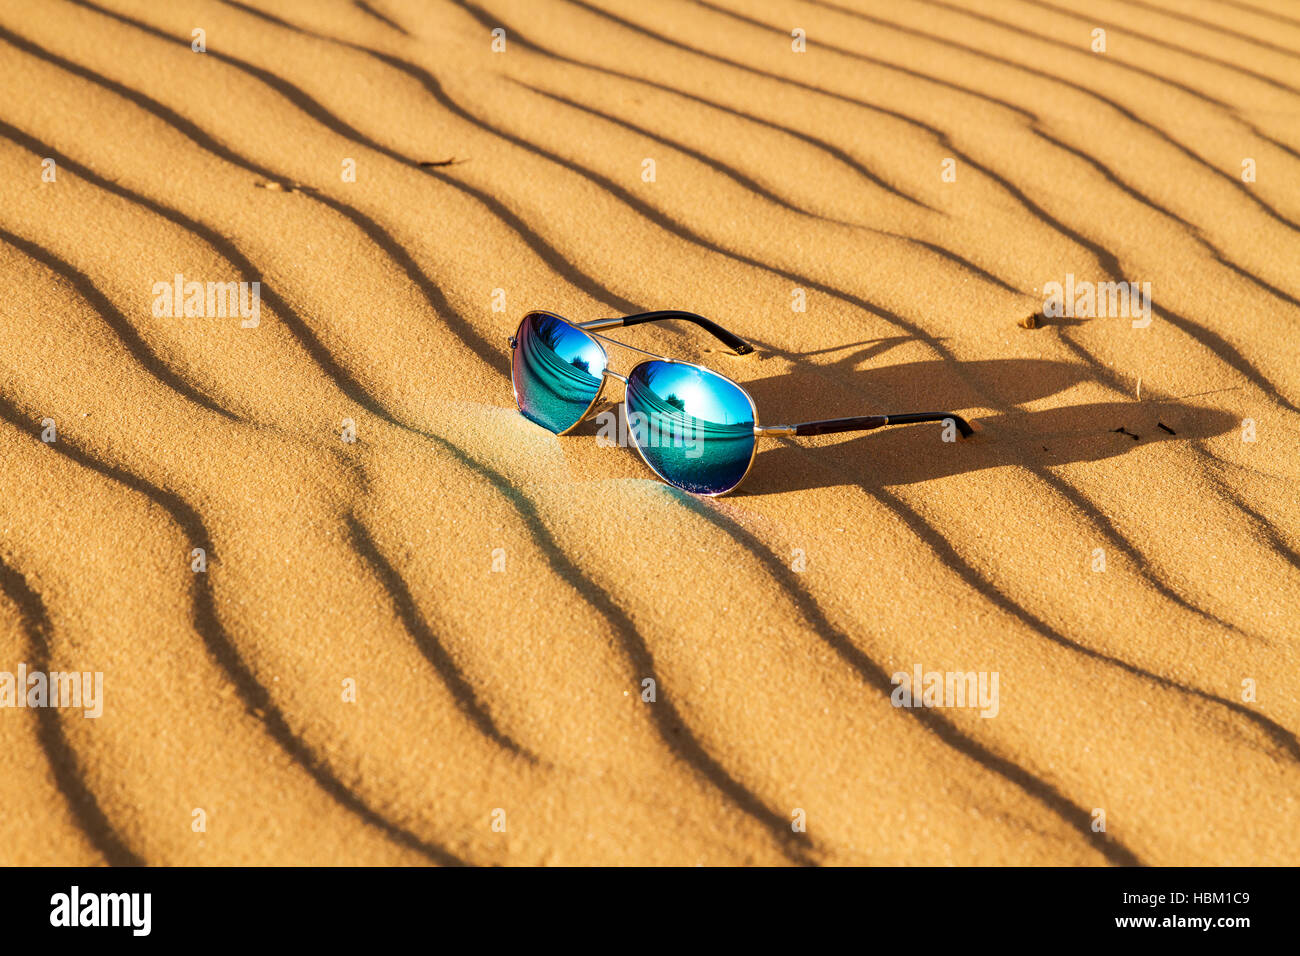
{"x":370,"y":11}
{"x":122,"y":328}
{"x":461,"y":690}
{"x":64,"y":766}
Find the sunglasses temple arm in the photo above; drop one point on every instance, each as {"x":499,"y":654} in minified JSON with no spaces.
{"x":868,"y":422}
{"x":732,"y":341}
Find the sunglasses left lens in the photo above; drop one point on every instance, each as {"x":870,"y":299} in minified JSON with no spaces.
{"x":557,"y":371}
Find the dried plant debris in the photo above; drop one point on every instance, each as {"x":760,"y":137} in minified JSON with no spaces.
{"x":280,"y":187}
{"x":1164,"y":427}
{"x":1124,"y":431}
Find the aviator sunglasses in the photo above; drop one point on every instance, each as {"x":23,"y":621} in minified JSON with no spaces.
{"x":696,"y":429}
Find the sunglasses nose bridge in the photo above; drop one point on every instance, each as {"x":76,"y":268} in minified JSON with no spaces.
{"x":612,"y":374}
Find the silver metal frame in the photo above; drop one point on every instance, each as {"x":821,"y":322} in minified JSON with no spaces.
{"x":586,"y":328}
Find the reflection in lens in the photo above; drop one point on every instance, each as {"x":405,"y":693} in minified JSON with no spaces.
{"x":694,"y":427}
{"x":557,"y":371}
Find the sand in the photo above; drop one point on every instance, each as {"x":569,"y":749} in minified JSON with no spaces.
{"x":432,"y":644}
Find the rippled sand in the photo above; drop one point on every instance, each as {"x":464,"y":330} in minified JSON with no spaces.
{"x":498,"y":596}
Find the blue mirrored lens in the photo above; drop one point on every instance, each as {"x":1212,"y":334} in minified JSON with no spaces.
{"x":557,"y":371}
{"x":694,"y":427}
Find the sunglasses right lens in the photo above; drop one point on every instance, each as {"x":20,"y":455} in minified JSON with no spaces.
{"x":694,"y":428}
{"x":557,"y":371}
